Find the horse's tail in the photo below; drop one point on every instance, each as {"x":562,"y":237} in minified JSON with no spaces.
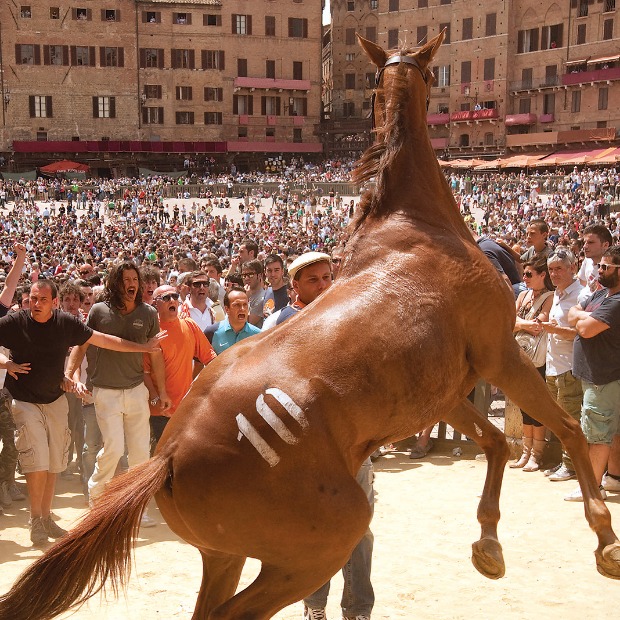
{"x":96,"y":550}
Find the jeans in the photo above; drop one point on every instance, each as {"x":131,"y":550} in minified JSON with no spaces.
{"x":568,"y":393}
{"x":358,"y":597}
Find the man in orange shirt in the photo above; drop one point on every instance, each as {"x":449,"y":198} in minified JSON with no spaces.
{"x":185,"y":341}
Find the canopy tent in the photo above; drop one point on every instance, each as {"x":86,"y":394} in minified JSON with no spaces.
{"x":64,"y":165}
{"x":29,"y":175}
{"x":521,"y":161}
{"x":493,"y":164}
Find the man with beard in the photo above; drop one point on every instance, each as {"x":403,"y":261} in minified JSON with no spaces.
{"x":597,"y":363}
{"x":120,"y":396}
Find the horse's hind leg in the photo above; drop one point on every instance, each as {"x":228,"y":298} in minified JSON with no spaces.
{"x":520,"y":381}
{"x":220,"y":578}
{"x":487,"y":554}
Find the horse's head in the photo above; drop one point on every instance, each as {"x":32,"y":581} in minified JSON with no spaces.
{"x":403,"y":61}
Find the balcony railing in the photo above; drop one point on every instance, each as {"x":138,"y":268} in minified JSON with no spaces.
{"x":546,"y":118}
{"x":598,"y":75}
{"x":514,"y":120}
{"x":438,"y":119}
{"x":546,"y":82}
{"x":474,"y":115}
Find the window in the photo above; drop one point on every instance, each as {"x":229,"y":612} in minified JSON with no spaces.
{"x":349,"y":57}
{"x":41,"y":136}
{"x":182,"y":19}
{"x":297,"y":136}
{"x":82,"y":56}
{"x":153,"y":116}
{"x":527,"y":76}
{"x":442,"y":108}
{"x":213,"y":118}
{"x":608,"y":29}
{"x":153,"y":91}
{"x":525,"y":105}
{"x":183,"y":93}
{"x":392,"y":38}
{"x":25,"y":12}
{"x":349,"y":36}
{"x":464,"y":139}
{"x":490,"y":29}
{"x":349,"y":81}
{"x":603,"y":95}
{"x":82,"y":14}
{"x":445,"y":27}
{"x":298,"y":70}
{"x":468,"y":28}
{"x":26,"y":54}
{"x":601,"y":124}
{"x":209,"y":19}
{"x":151,"y":17}
{"x":54,"y":12}
{"x":394,"y":5}
{"x":111,"y":57}
{"x":371,"y":33}
{"x":350,"y":5}
{"x":551,"y":75}
{"x":213,"y":94}
{"x":583,"y":8}
{"x":104,"y":107}
{"x":56,"y":55}
{"x":242,"y":67}
{"x":270,"y":69}
{"x":610,"y":5}
{"x":421,"y":34}
{"x":110,"y":15}
{"x":466,"y":72}
{"x":40,"y":106}
{"x":243,"y":104}
{"x":185,"y":118}
{"x":241,"y":24}
{"x":442,"y":76}
{"x":270,"y":134}
{"x":575,"y":104}
{"x":551,"y":37}
{"x":527,"y":41}
{"x":348,"y":109}
{"x":298,"y":106}
{"x":489,"y":69}
{"x":489,"y":139}
{"x":581,"y":34}
{"x":549,"y":103}
{"x":270,"y":26}
{"x":270,"y":106}
{"x":213,"y":59}
{"x":151,"y":57}
{"x":297,"y":28}
{"x":182,"y":59}
{"x":422,"y":4}
{"x":374,"y":5}
{"x":242,"y":133}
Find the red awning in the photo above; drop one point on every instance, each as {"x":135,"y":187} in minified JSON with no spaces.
{"x":64,"y":166}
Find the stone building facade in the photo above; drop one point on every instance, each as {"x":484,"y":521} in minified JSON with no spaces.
{"x":138,"y":80}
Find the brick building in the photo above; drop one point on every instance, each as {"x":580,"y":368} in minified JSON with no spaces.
{"x":512,"y":75}
{"x":152,"y":82}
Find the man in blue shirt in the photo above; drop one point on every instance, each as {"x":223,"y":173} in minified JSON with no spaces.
{"x":235,"y":326}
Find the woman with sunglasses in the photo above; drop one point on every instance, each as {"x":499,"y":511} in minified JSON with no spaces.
{"x":533,"y":306}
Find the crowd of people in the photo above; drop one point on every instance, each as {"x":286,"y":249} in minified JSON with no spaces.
{"x":145,"y":293}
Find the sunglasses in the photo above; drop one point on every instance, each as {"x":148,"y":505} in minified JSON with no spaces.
{"x":168,"y":297}
{"x":563,"y":255}
{"x":200,"y":284}
{"x":248,"y":275}
{"x":528,"y":274}
{"x":604,"y":267}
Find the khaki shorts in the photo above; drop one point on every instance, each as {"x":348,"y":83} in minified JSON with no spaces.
{"x":42,"y":435}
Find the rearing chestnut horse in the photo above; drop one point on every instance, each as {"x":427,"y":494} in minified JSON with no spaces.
{"x":260,"y":458}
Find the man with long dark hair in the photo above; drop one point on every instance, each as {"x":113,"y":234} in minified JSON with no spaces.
{"x":121,"y":398}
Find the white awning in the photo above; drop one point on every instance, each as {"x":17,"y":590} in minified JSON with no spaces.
{"x":576,"y":62}
{"x":596,"y":61}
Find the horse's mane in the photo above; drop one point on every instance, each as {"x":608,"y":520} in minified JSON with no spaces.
{"x":389,"y":139}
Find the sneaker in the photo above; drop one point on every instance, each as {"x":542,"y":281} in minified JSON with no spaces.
{"x":5,"y":496}
{"x":52,"y":528}
{"x":611,"y":484}
{"x":147,"y":521}
{"x":16,"y":493}
{"x":314,"y":614}
{"x":576,"y":495}
{"x":563,"y":474}
{"x":552,"y":470}
{"x":38,"y":533}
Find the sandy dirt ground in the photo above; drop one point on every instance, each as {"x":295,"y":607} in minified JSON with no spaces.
{"x":425,"y":522}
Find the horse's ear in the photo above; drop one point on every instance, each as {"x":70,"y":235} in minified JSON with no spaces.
{"x":376,"y":54}
{"x":428,"y":51}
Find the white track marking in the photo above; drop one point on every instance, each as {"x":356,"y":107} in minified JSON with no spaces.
{"x":274,"y":421}
{"x":262,"y":447}
{"x":287,"y":402}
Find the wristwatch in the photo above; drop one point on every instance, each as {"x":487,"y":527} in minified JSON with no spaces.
{"x":154,"y":401}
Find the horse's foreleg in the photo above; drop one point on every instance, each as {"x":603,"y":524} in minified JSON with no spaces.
{"x":220,"y":578}
{"x":487,"y":554}
{"x":520,"y":381}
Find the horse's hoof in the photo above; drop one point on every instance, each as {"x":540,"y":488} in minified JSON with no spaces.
{"x":488,"y":558}
{"x":608,"y":561}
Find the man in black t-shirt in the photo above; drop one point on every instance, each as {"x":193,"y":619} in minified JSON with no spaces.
{"x":38,"y":340}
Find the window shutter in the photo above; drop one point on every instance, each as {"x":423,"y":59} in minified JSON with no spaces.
{"x":142,"y":58}
{"x":112,"y":107}
{"x":277,"y":106}
{"x":145,"y":116}
{"x":48,"y":106}
{"x":31,"y":105}
{"x":46,"y":54}
{"x":192,"y":59}
{"x":191,"y":118}
{"x":37,"y":54}
{"x":249,"y":24}
{"x":173,"y":58}
{"x":74,"y":13}
{"x":235,"y":104}
{"x":73,"y":55}
{"x":203,"y":58}
{"x":118,"y":15}
{"x":233,"y":23}
{"x":144,"y":19}
{"x":91,"y":56}
{"x":89,"y":15}
{"x":121,"y":56}
{"x":221,"y":63}
{"x":305,"y":107}
{"x":161,"y":116}
{"x":263,"y":105}
{"x":188,"y":19}
{"x":95,"y":107}
{"x":65,"y":55}
{"x":102,"y":54}
{"x":18,"y":53}
{"x":158,"y":17}
{"x":305,"y":28}
{"x":250,"y":104}
{"x":103,"y":15}
{"x":534,"y":40}
{"x":544,"y":38}
{"x":160,"y":59}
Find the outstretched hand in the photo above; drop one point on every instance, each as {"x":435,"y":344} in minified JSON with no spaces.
{"x":16,"y":369}
{"x":153,"y":343}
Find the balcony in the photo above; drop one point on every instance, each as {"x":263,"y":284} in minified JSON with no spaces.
{"x":514,"y":120}
{"x":438,"y":119}
{"x":550,"y":81}
{"x":596,"y":75}
{"x":546,"y":118}
{"x":271,"y":84}
{"x":474,"y":115}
